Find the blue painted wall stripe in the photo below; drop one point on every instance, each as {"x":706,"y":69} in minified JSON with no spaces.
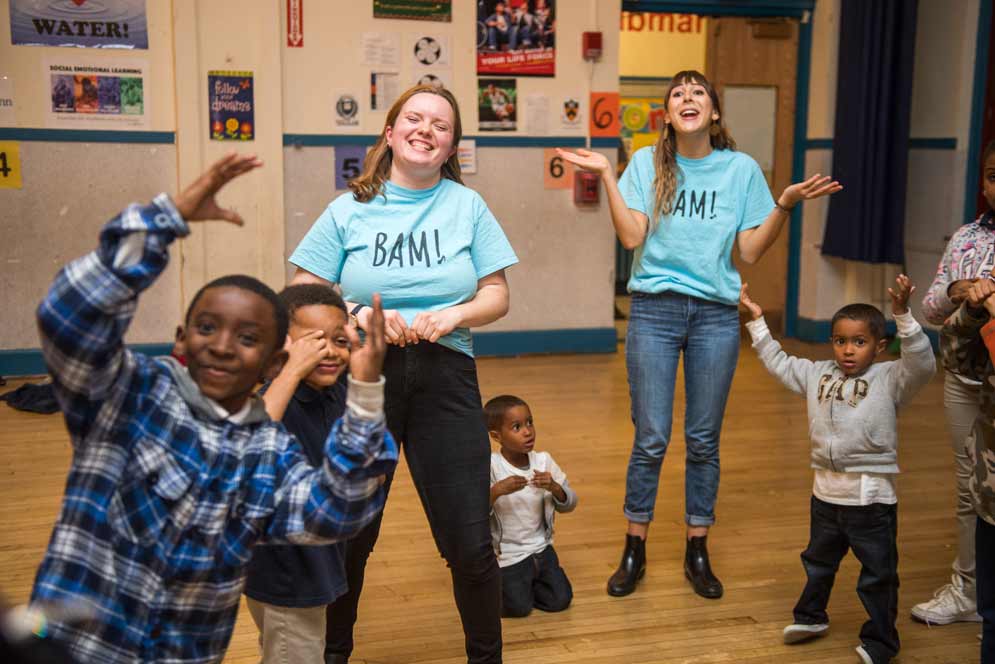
{"x":331,"y":140}
{"x":86,"y":135}
{"x":802,"y":75}
{"x":29,"y":361}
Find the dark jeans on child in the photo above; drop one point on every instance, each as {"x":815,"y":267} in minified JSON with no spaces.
{"x":984,"y":543}
{"x":433,"y":409}
{"x":538,"y":581}
{"x":871,"y":532}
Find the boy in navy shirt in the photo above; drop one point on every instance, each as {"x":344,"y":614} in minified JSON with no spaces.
{"x":288,"y":587}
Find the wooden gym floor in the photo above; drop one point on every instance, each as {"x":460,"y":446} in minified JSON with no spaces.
{"x":581,"y":408}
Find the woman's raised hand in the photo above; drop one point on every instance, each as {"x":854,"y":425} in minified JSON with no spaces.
{"x":815,"y":187}
{"x":589,"y":161}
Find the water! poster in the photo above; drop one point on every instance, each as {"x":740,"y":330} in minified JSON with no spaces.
{"x":80,"y":23}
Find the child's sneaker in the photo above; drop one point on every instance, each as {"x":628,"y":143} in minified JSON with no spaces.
{"x":865,"y":657}
{"x":797,"y":632}
{"x":949,"y":604}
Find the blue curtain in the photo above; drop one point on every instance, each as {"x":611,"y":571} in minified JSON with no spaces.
{"x":871,"y":138}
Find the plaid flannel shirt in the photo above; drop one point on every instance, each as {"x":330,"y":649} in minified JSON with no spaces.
{"x":165,"y":498}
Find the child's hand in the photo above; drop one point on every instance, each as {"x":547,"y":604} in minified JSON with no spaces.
{"x":196,"y":202}
{"x":508,"y":485}
{"x":306,"y":353}
{"x":366,"y":362}
{"x":957,"y":291}
{"x":980,"y":295}
{"x":543,"y":480}
{"x":904,"y":288}
{"x":816,"y":186}
{"x":750,"y":305}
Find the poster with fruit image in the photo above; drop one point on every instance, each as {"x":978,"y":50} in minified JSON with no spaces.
{"x":230,"y":104}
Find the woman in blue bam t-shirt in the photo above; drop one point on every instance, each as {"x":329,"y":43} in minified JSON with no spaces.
{"x":412,"y":232}
{"x":681,"y":205}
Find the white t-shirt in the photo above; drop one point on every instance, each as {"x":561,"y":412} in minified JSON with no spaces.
{"x":522,"y":514}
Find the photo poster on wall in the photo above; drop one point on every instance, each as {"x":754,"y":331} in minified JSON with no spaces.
{"x":231,"y":106}
{"x":419,"y":10}
{"x":516,"y":37}
{"x":497,"y":104}
{"x":96,"y":93}
{"x":79,"y":23}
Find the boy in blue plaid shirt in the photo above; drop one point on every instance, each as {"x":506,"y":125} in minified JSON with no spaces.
{"x":177,"y":471}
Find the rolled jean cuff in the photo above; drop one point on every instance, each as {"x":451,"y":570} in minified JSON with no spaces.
{"x":695,"y":521}
{"x":638,"y":517}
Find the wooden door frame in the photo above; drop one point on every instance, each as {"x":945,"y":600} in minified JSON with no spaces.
{"x":801,"y":10}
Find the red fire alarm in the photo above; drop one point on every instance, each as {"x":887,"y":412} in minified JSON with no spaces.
{"x":591,"y":46}
{"x":585,"y":188}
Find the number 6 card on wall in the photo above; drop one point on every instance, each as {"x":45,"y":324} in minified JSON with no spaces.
{"x":604,"y":114}
{"x":557,"y":174}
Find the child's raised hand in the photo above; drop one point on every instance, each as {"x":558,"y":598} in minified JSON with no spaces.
{"x":197,"y":203}
{"x":750,"y":305}
{"x":366,"y":361}
{"x":509,"y":485}
{"x":542,"y":480}
{"x":306,"y":353}
{"x":900,"y":294}
{"x":815,"y":187}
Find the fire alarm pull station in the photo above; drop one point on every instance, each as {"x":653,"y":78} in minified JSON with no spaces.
{"x":585,"y":188}
{"x":591,"y":46}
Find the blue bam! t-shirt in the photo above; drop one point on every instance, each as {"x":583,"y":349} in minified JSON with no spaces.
{"x":421,"y":249}
{"x":689,"y":251}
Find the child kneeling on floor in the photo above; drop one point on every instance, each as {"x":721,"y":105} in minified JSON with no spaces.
{"x":527,"y":488}
{"x":852,"y":406}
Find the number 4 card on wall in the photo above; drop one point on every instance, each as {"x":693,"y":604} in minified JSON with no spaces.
{"x":348,"y":164}
{"x":10,"y":165}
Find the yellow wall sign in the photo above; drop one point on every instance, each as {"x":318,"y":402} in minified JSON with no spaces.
{"x":10,"y":165}
{"x":660,"y":45}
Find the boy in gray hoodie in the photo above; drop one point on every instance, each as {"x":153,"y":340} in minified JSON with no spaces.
{"x":852,"y":404}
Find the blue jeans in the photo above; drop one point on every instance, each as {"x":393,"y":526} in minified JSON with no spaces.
{"x":538,"y":581}
{"x":661,"y":326}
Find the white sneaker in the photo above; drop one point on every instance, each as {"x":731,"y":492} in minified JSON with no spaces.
{"x":865,"y":658}
{"x":796,"y":633}
{"x":949,"y":604}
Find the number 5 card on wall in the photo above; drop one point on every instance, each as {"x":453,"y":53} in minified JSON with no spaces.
{"x":348,"y":164}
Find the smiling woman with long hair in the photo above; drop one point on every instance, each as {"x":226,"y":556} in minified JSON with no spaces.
{"x":682,"y":205}
{"x":412,"y":232}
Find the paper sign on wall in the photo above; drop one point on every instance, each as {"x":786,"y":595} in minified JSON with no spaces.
{"x":428,"y":50}
{"x":8,"y":114}
{"x":86,"y":92}
{"x":348,"y":164}
{"x":231,"y":106}
{"x":345,"y":109}
{"x":571,"y":117}
{"x":466,"y":153}
{"x":604,"y":114}
{"x":295,"y":23}
{"x":557,"y":173}
{"x":440,"y":77}
{"x":10,"y":165}
{"x":385,"y":88}
{"x":381,"y":49}
{"x":93,"y":24}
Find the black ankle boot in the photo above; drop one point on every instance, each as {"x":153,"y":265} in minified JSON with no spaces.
{"x":698,"y":571}
{"x":631,"y":569}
